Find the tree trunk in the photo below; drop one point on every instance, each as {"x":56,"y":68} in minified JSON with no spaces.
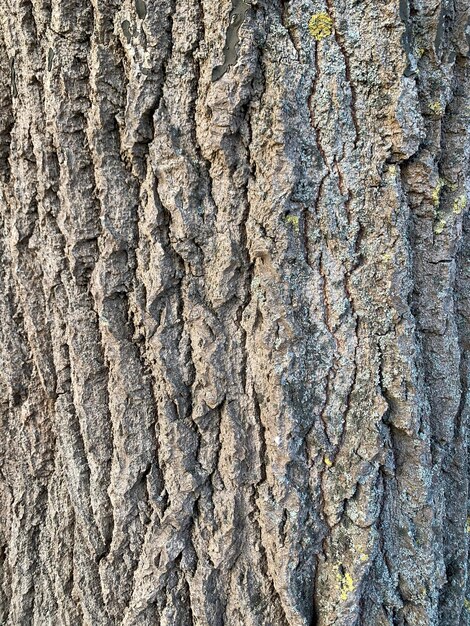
{"x":235,"y":305}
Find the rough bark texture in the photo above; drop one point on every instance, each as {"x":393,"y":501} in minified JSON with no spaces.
{"x":235,"y":305}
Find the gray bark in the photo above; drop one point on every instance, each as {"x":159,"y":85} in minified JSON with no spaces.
{"x":235,"y":305}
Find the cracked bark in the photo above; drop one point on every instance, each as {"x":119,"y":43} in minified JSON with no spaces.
{"x":235,"y":313}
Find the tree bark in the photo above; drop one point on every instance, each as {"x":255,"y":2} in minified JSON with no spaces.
{"x":235,"y":305}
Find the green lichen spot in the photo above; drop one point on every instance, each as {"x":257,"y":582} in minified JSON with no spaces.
{"x":459,"y":204}
{"x":320,"y":26}
{"x":294,"y":220}
{"x":346,"y":584}
{"x":439,"y":227}
{"x":436,"y":194}
{"x":363,"y":556}
{"x":466,"y":604}
{"x":436,"y":108}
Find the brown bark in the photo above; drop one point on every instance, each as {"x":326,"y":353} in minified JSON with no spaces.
{"x":234,"y":312}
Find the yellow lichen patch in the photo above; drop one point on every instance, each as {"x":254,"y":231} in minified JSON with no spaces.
{"x":346,"y":584}
{"x":359,"y":549}
{"x":466,"y":604}
{"x":328,"y":461}
{"x":439,"y":227}
{"x":436,"y":193}
{"x":467,"y":527}
{"x":320,"y":26}
{"x":459,"y":204}
{"x":294,"y":220}
{"x":436,"y":108}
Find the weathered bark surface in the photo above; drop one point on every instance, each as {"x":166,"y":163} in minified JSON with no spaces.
{"x":235,"y":302}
